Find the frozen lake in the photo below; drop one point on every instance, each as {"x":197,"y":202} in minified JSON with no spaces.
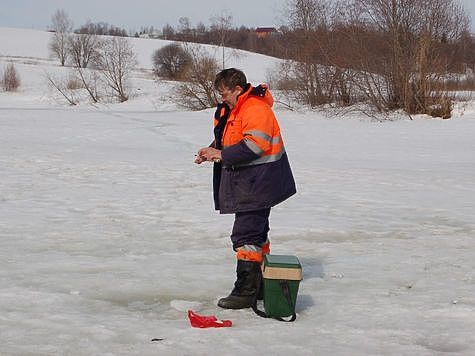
{"x":108,"y":235}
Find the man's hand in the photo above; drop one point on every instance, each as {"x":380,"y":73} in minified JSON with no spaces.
{"x":208,"y":154}
{"x":199,"y":159}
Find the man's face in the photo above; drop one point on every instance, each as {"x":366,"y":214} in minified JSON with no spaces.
{"x":230,"y":96}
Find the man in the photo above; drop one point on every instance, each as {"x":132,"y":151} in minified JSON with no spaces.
{"x":251,"y":175}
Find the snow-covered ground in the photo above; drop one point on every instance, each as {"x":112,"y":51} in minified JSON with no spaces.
{"x":108,"y":234}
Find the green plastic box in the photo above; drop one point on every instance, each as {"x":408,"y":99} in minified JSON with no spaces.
{"x":281,"y":273}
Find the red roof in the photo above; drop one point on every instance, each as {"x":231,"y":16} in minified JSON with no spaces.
{"x":266,"y":29}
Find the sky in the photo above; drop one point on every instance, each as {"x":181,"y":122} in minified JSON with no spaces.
{"x":131,"y":15}
{"x":134,"y":14}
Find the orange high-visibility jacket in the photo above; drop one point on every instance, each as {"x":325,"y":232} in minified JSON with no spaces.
{"x":253,"y":122}
{"x":255,"y":170}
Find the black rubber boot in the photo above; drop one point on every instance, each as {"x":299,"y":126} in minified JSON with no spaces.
{"x":245,"y":287}
{"x":260,"y":291}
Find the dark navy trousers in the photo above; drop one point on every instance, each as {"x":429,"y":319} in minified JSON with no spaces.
{"x":250,"y":228}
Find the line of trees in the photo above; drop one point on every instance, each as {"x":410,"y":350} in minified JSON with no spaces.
{"x":220,"y":32}
{"x":333,"y":17}
{"x":393,"y":54}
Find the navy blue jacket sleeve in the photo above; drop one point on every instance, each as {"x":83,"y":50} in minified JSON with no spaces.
{"x":238,"y":154}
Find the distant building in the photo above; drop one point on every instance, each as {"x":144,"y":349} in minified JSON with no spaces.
{"x":153,"y":34}
{"x":263,"y":32}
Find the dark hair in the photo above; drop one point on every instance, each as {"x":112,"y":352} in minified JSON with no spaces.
{"x":230,"y":78}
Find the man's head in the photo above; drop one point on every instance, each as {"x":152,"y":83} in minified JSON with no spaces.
{"x":230,"y":83}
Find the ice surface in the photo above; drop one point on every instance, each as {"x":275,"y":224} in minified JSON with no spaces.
{"x":108,"y":234}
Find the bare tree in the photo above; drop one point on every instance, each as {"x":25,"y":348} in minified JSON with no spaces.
{"x":116,"y":61}
{"x":82,"y":48}
{"x":307,"y":15}
{"x":184,"y":28}
{"x":168,"y":32}
{"x":198,"y":92}
{"x":10,"y":79}
{"x":222,"y":25}
{"x":62,"y":27}
{"x":305,"y":77}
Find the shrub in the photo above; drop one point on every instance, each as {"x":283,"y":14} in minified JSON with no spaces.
{"x":10,"y":79}
{"x":74,"y":83}
{"x":171,"y":62}
{"x":442,"y":107}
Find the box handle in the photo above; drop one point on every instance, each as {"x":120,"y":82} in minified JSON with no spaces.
{"x":286,"y":291}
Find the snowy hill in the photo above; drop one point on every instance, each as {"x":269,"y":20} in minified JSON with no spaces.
{"x":108,"y":234}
